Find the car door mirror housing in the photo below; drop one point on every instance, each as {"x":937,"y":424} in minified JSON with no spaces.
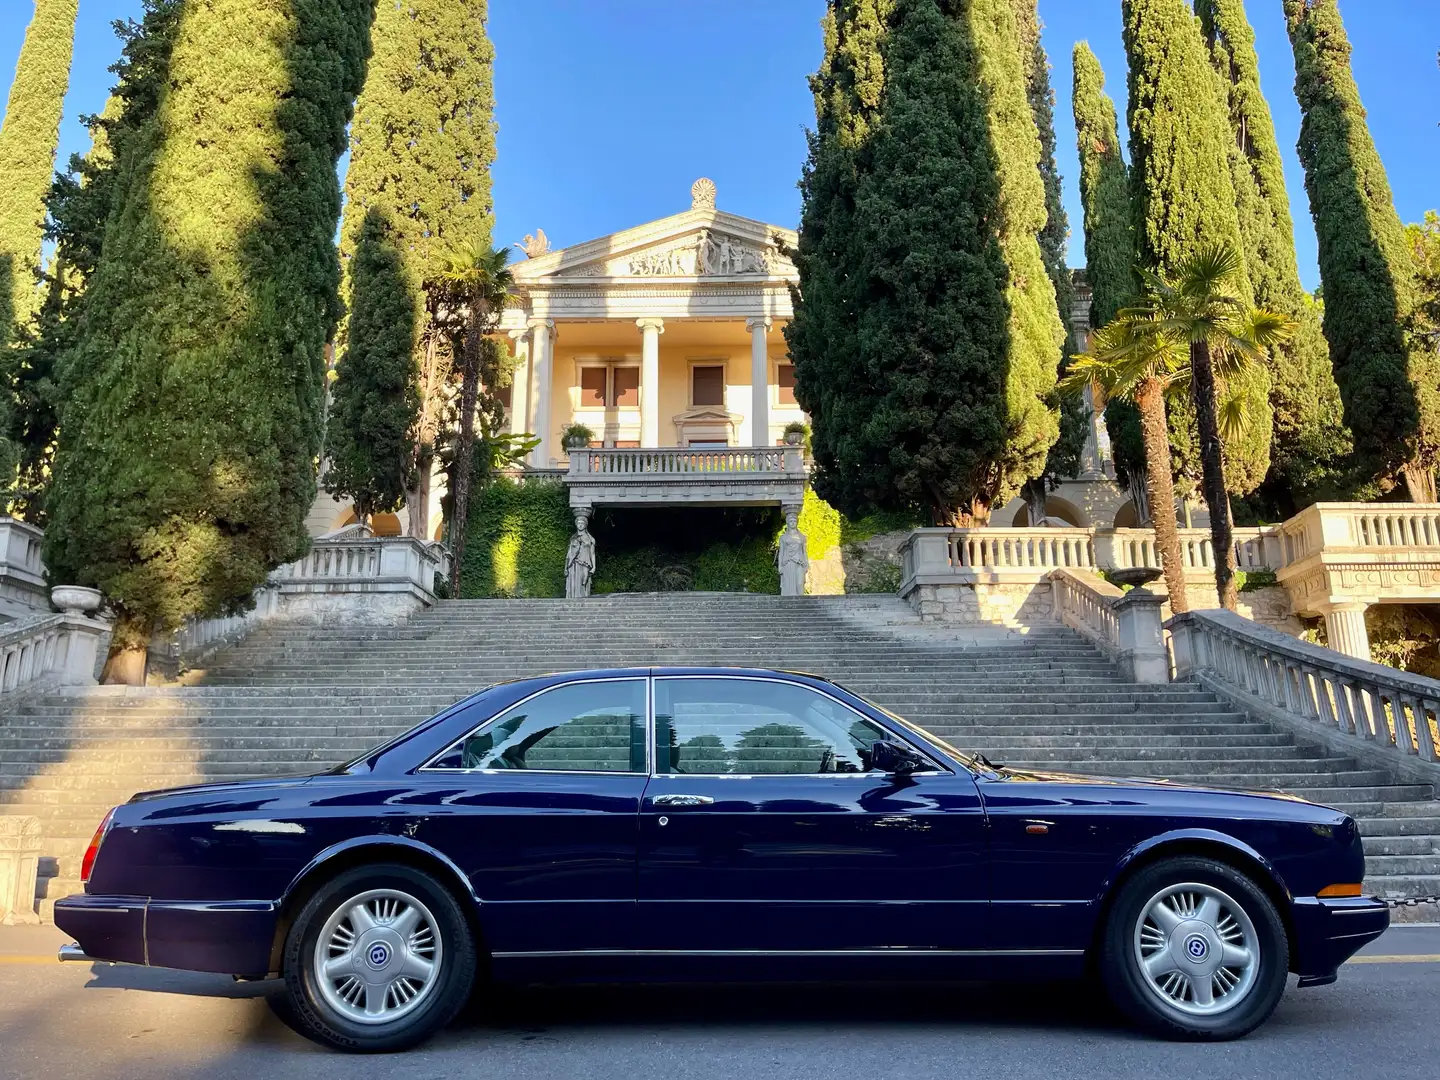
{"x":895,"y":758}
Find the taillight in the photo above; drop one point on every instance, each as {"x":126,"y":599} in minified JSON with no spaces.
{"x":87,"y":864}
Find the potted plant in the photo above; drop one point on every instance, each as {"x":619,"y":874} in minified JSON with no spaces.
{"x":576,"y":437}
{"x":797,"y":433}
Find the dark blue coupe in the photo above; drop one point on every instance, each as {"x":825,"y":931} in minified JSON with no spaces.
{"x":702,"y":824}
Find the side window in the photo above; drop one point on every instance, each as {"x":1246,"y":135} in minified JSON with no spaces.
{"x":749,"y":726}
{"x":581,"y":727}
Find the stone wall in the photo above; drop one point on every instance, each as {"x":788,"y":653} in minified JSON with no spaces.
{"x":1008,"y":604}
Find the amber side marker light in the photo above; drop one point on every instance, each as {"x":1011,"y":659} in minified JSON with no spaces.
{"x":1332,"y":891}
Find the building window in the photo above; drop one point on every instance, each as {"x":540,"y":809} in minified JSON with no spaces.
{"x":707,"y":385}
{"x":505,"y":393}
{"x":609,"y":386}
{"x":785,"y":385}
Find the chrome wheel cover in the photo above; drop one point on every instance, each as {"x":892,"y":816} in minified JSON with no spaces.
{"x":377,"y":958}
{"x":1196,"y":950}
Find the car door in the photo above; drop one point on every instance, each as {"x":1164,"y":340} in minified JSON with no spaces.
{"x":539,"y":807}
{"x":764,"y":828}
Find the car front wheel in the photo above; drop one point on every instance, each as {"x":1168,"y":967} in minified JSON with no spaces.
{"x":379,"y":959}
{"x":1194,"y":949}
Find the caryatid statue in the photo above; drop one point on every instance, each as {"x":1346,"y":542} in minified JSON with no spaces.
{"x":580,"y":559}
{"x":792,"y":558}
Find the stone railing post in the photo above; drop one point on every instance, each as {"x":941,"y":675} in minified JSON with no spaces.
{"x":1143,"y":658}
{"x":19,"y":867}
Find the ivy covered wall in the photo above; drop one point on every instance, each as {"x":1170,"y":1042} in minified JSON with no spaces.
{"x":519,"y":534}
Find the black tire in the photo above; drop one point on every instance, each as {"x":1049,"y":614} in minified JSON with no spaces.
{"x":1133,"y":994}
{"x":304,"y":1005}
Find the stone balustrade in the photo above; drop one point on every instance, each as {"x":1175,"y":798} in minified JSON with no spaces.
{"x":1382,"y":715}
{"x":19,"y":868}
{"x":676,"y":461}
{"x":359,"y":578}
{"x":1124,"y":626}
{"x":49,"y":650}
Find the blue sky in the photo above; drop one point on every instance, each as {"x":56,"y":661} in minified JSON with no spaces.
{"x":610,"y":109}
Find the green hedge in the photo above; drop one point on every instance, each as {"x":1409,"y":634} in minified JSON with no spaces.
{"x":519,"y":533}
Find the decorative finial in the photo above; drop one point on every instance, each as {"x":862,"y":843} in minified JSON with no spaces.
{"x":702,"y":194}
{"x":535,"y":246}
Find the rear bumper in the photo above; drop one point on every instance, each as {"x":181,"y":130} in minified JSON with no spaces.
{"x":227,"y":937}
{"x":1329,"y":932}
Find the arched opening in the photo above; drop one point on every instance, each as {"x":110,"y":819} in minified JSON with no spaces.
{"x":380,"y":524}
{"x":1056,"y":509}
{"x":1127,"y":517}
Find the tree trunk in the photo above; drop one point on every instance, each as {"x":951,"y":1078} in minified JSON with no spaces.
{"x":417,"y":498}
{"x":464,"y":449}
{"x":1034,"y":494}
{"x":129,"y":649}
{"x":1160,"y":487}
{"x":1419,"y":483}
{"x":1212,"y":469}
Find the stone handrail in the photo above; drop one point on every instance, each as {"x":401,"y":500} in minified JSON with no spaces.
{"x":1125,"y":626}
{"x":670,"y":461}
{"x":1085,"y":603}
{"x":48,"y":650}
{"x":1123,"y":549}
{"x":364,"y":558}
{"x":22,"y":573}
{"x":964,"y":554}
{"x":1353,"y":704}
{"x":1353,"y":527}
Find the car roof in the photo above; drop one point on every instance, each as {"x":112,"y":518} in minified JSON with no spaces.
{"x":640,"y":672}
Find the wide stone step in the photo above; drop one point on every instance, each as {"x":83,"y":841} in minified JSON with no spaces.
{"x":1401,"y":885}
{"x":1402,"y":866}
{"x":1397,"y":825}
{"x":1424,"y":845}
{"x":1293,"y":757}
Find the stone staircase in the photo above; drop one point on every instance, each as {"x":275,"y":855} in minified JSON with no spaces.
{"x":295,"y":700}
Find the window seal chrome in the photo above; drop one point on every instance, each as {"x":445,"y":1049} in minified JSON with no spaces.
{"x":940,"y":766}
{"x":431,"y":768}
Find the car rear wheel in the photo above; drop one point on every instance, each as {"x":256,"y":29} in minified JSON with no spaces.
{"x":379,"y":959}
{"x":1194,"y":949}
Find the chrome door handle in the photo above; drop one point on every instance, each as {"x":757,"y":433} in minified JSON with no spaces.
{"x":683,"y":800}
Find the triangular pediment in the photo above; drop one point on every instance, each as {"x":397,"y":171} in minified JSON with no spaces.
{"x":702,"y":243}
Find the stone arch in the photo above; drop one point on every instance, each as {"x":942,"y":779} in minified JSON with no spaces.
{"x":1127,"y":517}
{"x":1055,"y":507}
{"x":380,"y":524}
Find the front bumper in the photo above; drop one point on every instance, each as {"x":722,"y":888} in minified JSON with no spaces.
{"x":1329,"y":932}
{"x":226,"y":937}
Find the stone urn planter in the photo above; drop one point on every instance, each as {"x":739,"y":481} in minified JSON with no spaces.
{"x":76,"y":599}
{"x":1136,"y":577}
{"x":793,"y":438}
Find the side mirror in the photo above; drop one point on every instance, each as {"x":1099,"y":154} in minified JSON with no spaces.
{"x":895,"y":759}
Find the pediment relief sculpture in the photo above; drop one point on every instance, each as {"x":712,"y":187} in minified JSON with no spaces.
{"x":707,"y":254}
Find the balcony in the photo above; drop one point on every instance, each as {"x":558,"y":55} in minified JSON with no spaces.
{"x":687,"y":476}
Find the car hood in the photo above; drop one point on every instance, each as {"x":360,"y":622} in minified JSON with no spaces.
{"x":1138,"y":782}
{"x":225,"y":787}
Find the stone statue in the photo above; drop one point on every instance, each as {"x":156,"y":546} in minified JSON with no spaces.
{"x":579,"y":560}
{"x":794,"y":562}
{"x":535,"y":246}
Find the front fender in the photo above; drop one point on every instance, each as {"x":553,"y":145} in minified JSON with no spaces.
{"x":1194,"y":841}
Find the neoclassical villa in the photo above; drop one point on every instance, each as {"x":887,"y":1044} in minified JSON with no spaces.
{"x":669,"y":335}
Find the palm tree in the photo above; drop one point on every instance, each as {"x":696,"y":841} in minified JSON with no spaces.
{"x":1201,"y":307}
{"x":1132,"y":359}
{"x":474,"y":289}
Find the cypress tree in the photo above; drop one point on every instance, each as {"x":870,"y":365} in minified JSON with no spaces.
{"x":376,"y":402}
{"x":421,"y":148}
{"x":930,"y":339}
{"x":28,"y":140}
{"x":1184,"y":204}
{"x":1109,"y":241}
{"x":1064,"y":459}
{"x":192,"y":414}
{"x":1389,"y":381}
{"x":1311,"y":444}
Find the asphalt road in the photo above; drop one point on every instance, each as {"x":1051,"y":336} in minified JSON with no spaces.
{"x":74,"y":1021}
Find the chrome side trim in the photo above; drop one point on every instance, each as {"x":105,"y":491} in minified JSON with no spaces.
{"x":72,"y":953}
{"x":897,"y":950}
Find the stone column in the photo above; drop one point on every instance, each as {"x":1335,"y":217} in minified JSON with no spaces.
{"x":19,"y":865}
{"x":1345,"y":629}
{"x":650,"y":331}
{"x":1142,"y":641}
{"x":759,"y":381}
{"x":520,"y":384}
{"x":793,"y":559}
{"x":542,"y":349}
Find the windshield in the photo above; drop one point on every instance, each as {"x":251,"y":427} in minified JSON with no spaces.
{"x":968,"y":760}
